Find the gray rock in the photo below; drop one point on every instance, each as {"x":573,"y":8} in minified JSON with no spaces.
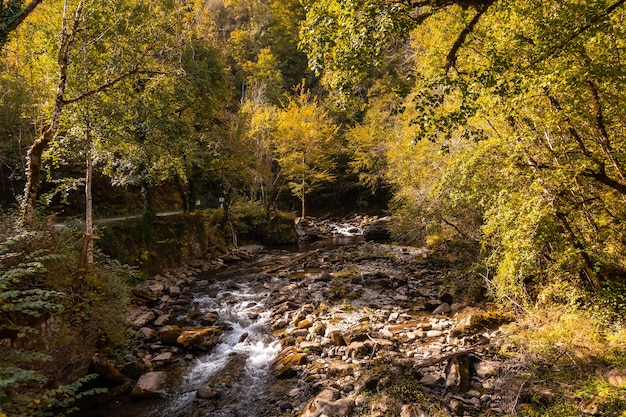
{"x":149,"y":334}
{"x":149,"y":385}
{"x":442,"y":309}
{"x":412,"y":410}
{"x":139,"y":318}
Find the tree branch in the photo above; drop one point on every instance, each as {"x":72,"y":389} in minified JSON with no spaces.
{"x":577,"y":32}
{"x":19,"y":18}
{"x":110,"y":83}
{"x":460,"y":40}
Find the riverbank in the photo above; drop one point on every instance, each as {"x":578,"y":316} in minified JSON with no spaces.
{"x":364,"y":329}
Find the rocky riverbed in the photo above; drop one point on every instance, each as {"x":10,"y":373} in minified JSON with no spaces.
{"x":363,"y":329}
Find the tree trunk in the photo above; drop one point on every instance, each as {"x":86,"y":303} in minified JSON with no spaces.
{"x":33,"y":170}
{"x":303,"y":198}
{"x":33,"y":162}
{"x":87,"y":252}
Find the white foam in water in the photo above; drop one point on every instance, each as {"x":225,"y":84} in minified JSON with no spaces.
{"x":343,"y":229}
{"x":259,"y":349}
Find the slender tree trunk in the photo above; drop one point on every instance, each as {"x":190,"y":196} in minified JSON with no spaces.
{"x":87,"y":253}
{"x":303,"y":198}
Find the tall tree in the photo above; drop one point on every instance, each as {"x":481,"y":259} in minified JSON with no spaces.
{"x":126,"y":39}
{"x":304,"y":143}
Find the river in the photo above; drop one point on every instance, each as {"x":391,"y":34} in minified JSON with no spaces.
{"x":235,"y":371}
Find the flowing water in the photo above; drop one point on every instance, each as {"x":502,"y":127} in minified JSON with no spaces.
{"x":237,"y":367}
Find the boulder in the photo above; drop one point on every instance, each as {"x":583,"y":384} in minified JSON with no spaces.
{"x":149,"y":385}
{"x":200,"y":339}
{"x":169,"y":334}
{"x":284,"y":363}
{"x":378,"y":229}
{"x":327,"y":403}
{"x":139,"y":318}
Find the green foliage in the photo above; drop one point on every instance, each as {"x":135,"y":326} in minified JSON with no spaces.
{"x":21,"y":309}
{"x":304,"y":138}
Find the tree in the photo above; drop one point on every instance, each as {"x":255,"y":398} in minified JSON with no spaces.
{"x":117,"y":52}
{"x":304,"y":143}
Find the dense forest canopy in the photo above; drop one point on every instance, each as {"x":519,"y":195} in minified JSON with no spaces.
{"x":498,"y":122}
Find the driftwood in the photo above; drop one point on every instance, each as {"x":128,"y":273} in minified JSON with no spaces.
{"x":446,"y":357}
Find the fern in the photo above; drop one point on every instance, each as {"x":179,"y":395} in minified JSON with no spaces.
{"x":18,"y":303}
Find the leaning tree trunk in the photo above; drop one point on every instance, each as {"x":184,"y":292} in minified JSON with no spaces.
{"x":33,"y":161}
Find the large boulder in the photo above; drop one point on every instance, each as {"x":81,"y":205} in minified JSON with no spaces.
{"x":149,"y":385}
{"x":328,"y":403}
{"x":378,"y":229}
{"x":204,"y":338}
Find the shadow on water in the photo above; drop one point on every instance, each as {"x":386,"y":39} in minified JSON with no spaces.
{"x":328,"y":243}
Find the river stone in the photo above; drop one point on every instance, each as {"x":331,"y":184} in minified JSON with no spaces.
{"x":162,"y":320}
{"x":148,"y":333}
{"x":318,"y":328}
{"x":311,"y":346}
{"x":304,"y":324}
{"x":134,"y":368}
{"x":430,"y":380}
{"x":139,"y":318}
{"x":412,"y":410}
{"x":457,"y":407}
{"x":149,"y":385}
{"x":210,"y":318}
{"x":357,"y":350}
{"x":442,"y":309}
{"x":337,"y":368}
{"x":174,"y":290}
{"x":485,"y":369}
{"x":356,"y":333}
{"x":326,"y":403}
{"x":200,"y":339}
{"x":377,"y":229}
{"x":169,"y":334}
{"x":162,"y":358}
{"x":207,"y":392}
{"x":285,"y":361}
